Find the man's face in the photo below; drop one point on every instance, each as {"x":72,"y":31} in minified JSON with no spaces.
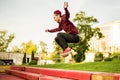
{"x":56,"y":17}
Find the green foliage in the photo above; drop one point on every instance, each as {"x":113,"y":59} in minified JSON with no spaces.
{"x":5,"y":40}
{"x":33,"y":62}
{"x":55,"y":56}
{"x":84,"y":24}
{"x":28,"y":47}
{"x":79,"y":57}
{"x":115,"y":55}
{"x":98,"y":56}
{"x":32,"y":56}
{"x":24,"y":59}
{"x":108,"y":59}
{"x":44,"y":53}
{"x":80,"y":48}
{"x":115,"y":59}
{"x":15,"y":49}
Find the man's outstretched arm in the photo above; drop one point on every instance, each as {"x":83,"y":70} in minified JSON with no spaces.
{"x":67,"y":14}
{"x":53,"y":30}
{"x":65,"y":4}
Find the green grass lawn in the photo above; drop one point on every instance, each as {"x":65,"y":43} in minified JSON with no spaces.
{"x":111,"y":66}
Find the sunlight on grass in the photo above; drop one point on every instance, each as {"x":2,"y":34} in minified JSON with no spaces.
{"x":113,"y":67}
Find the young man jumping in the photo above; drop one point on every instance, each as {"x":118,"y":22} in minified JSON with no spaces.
{"x":70,"y":34}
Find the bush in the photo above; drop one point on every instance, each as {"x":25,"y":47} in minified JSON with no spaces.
{"x":98,"y":56}
{"x":98,"y":59}
{"x":115,"y":59}
{"x":56,"y":58}
{"x":115,"y":55}
{"x":33,"y":62}
{"x":108,"y":59}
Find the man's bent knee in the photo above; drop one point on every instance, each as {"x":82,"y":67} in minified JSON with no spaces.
{"x":56,"y":39}
{"x":60,"y":34}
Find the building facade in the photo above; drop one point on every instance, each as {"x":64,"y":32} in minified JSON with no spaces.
{"x":111,"y":40}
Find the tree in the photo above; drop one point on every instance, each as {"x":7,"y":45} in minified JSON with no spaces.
{"x":28,"y":47}
{"x":32,"y":56}
{"x":24,"y":59}
{"x":5,"y":40}
{"x":43,"y":53}
{"x":33,"y":61}
{"x":15,"y":49}
{"x":84,"y":24}
{"x":55,"y":56}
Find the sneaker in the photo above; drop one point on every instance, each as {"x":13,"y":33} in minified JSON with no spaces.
{"x":66,"y":52}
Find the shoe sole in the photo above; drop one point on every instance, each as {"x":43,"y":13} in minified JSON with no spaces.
{"x":65,"y":54}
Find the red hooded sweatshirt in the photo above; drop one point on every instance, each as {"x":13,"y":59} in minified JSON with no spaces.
{"x":66,"y":24}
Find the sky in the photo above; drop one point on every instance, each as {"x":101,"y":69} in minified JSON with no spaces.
{"x":28,"y":19}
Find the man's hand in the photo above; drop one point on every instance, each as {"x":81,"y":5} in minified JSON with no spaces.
{"x":46,"y":30}
{"x":65,"y":4}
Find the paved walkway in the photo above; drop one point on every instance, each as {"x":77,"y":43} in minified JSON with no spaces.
{"x":4,"y":76}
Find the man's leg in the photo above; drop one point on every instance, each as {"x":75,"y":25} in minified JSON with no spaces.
{"x":63,"y":39}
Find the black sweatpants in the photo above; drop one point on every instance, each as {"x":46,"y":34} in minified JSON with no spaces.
{"x":63,"y":39}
